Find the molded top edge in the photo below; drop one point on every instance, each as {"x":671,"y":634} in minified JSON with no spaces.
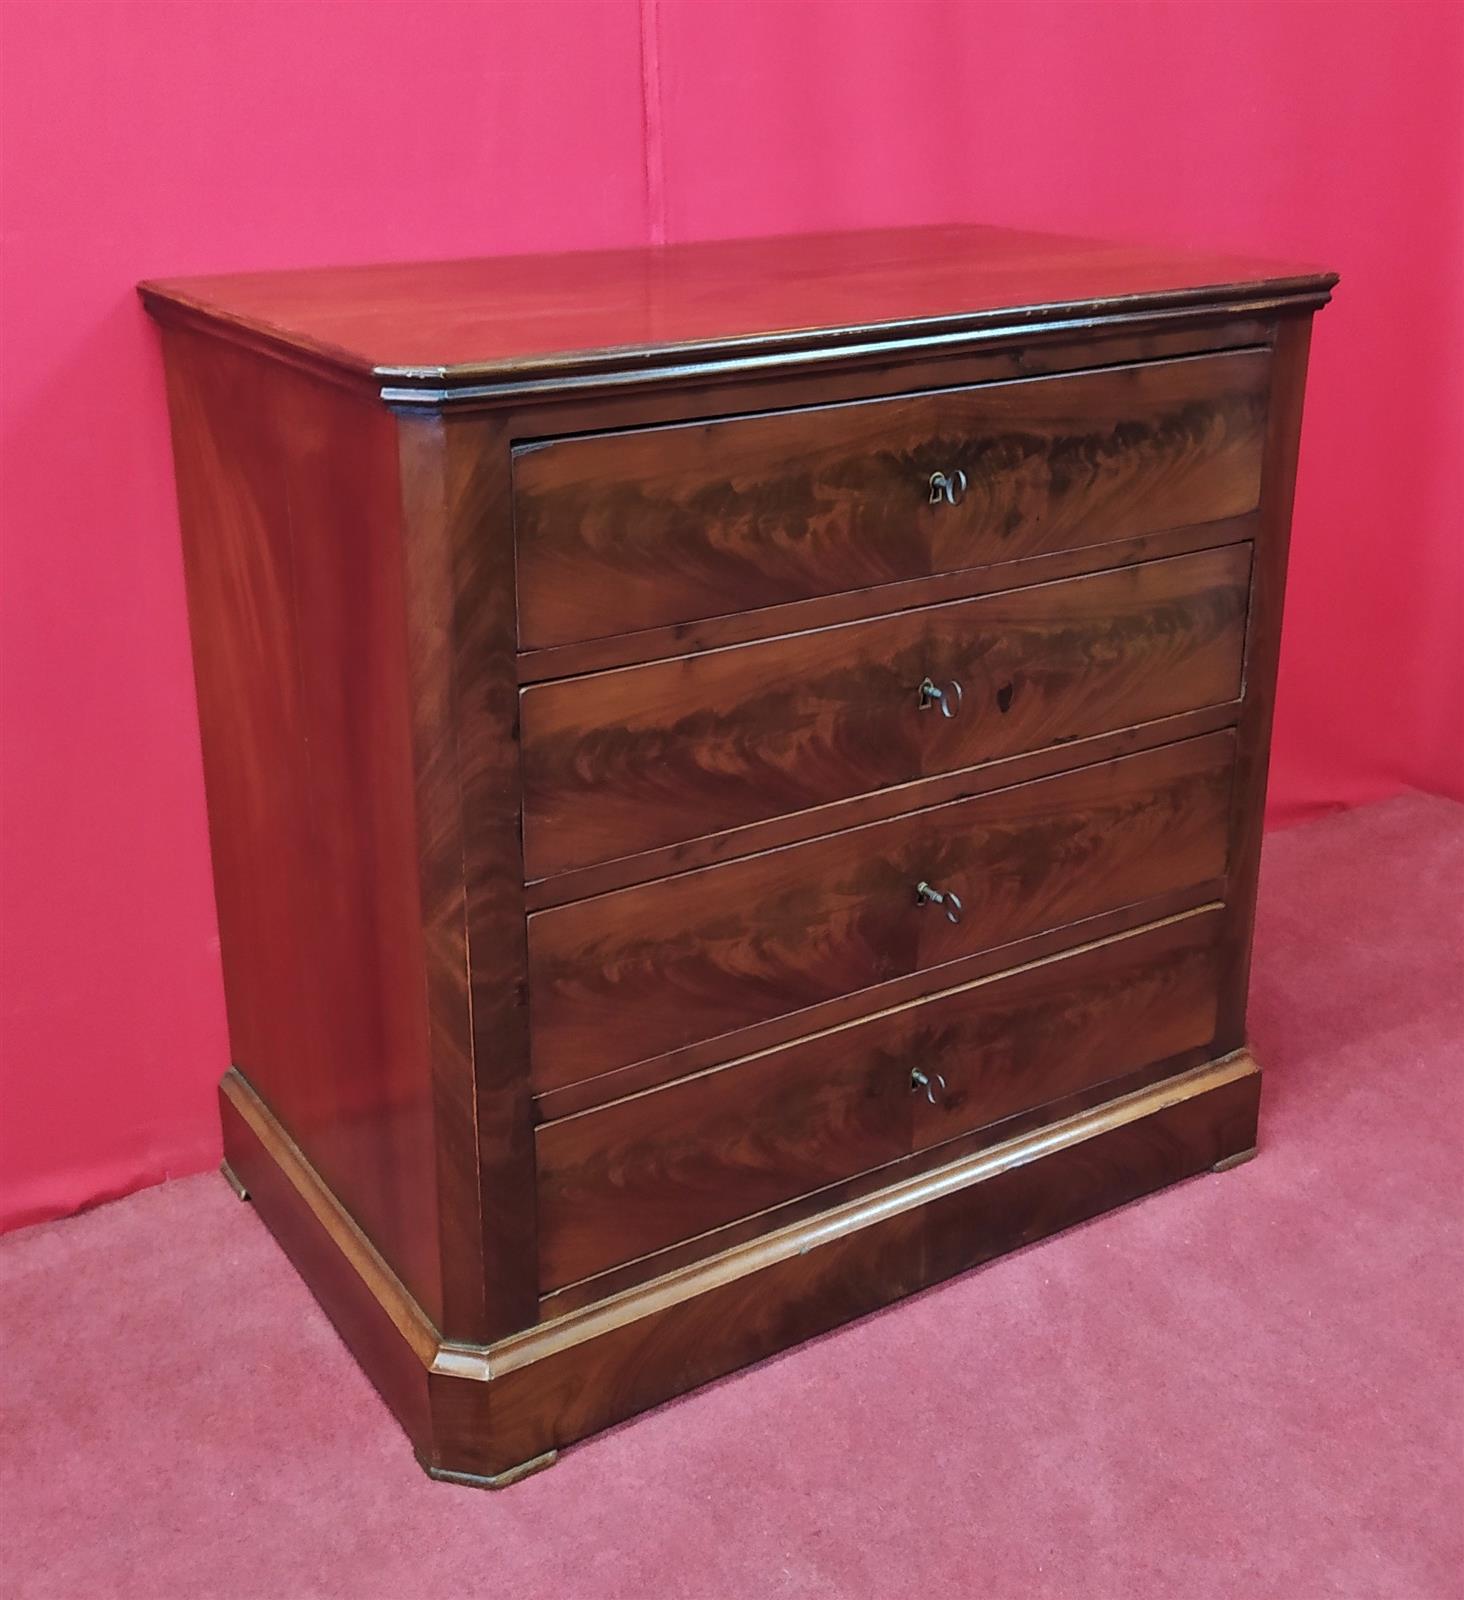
{"x":516,"y":319}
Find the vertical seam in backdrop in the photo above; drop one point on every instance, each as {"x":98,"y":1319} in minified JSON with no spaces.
{"x":655,"y":154}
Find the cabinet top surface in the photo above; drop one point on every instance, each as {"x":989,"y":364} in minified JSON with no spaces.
{"x":509,"y":317}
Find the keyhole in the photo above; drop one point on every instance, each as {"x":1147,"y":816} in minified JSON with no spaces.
{"x":1004,"y":698}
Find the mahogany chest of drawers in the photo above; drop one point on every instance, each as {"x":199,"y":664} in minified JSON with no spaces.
{"x":735,"y":778}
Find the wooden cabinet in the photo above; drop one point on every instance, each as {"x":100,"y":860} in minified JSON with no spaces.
{"x":731,"y":801}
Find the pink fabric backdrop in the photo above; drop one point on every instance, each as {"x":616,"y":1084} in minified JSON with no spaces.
{"x":149,"y":139}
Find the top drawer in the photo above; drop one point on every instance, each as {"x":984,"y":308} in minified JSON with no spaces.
{"x":621,"y":531}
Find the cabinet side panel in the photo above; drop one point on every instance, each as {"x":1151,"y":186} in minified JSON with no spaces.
{"x":289,"y":499}
{"x":1262,"y":651}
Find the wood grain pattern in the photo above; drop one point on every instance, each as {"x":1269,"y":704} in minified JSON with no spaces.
{"x":587,"y":1093}
{"x":803,"y":1208}
{"x":629,"y":975}
{"x":383,"y":1327}
{"x":642,"y":1173}
{"x":637,"y":529}
{"x":828,"y":610}
{"x":1263,"y":650}
{"x":561,"y":316}
{"x":581,"y":883}
{"x":427,"y":564}
{"x":556,"y":624}
{"x":649,"y":756}
{"x":475,"y":1410}
{"x":497,"y":1118}
{"x":289,"y":503}
{"x":555,"y":1384}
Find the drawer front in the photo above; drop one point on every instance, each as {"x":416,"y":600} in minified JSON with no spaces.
{"x":669,"y":1164}
{"x":662,"y":525}
{"x":643,"y":971}
{"x":624,"y":761}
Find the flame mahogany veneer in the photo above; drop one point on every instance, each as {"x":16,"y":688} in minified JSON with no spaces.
{"x":735,"y":776}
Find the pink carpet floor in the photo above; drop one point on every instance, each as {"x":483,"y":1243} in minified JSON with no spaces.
{"x":1244,"y":1388}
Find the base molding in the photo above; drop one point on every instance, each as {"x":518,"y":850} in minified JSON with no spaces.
{"x":232,"y":1179}
{"x":490,"y":1480}
{"x":489,"y":1415}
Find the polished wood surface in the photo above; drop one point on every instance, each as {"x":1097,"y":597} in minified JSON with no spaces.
{"x":486,"y":1412}
{"x":1263,"y":650}
{"x":461,"y":639}
{"x":707,"y":1054}
{"x":629,"y":975}
{"x":556,"y":313}
{"x":556,"y":1383}
{"x":920,"y":793}
{"x":647,"y":645}
{"x":652,"y":755}
{"x":583,"y":853}
{"x":586,"y":1292}
{"x":287,"y":490}
{"x":387,"y":1332}
{"x":631,"y":530}
{"x":625,"y":1180}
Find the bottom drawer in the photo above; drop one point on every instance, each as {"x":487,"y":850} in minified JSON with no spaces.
{"x":659,"y":1167}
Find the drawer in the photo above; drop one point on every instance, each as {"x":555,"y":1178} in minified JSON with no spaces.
{"x":643,"y":971}
{"x":647,"y":527}
{"x":618,"y":762}
{"x":663,"y":1166}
